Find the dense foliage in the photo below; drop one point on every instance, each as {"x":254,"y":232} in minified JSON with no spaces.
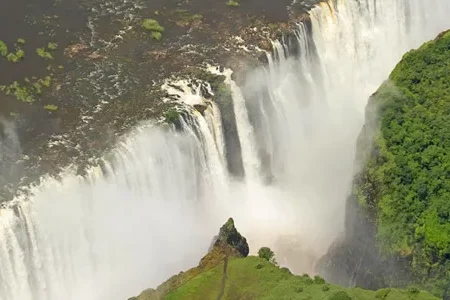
{"x":266,"y":253}
{"x":406,"y":182}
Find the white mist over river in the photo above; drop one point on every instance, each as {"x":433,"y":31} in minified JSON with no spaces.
{"x":154,"y":208}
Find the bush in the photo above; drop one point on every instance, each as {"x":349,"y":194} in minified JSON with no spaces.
{"x":307,"y":279}
{"x":3,"y":49}
{"x":16,"y":57}
{"x":382,"y":294}
{"x":20,"y":41}
{"x":266,"y":253}
{"x":341,"y":295}
{"x":171,"y":116}
{"x":318,"y":280}
{"x":12,"y":58}
{"x":51,"y":107}
{"x":44,"y":54}
{"x":152,"y":25}
{"x":52,"y":46}
{"x":325,"y":288}
{"x":232,"y":3}
{"x":156,"y":35}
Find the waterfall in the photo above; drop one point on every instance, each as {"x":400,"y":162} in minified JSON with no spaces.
{"x":151,"y":208}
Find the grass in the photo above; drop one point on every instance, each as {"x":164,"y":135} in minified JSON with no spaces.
{"x":255,"y":278}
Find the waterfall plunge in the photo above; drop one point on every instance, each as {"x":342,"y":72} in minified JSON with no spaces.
{"x":152,"y":210}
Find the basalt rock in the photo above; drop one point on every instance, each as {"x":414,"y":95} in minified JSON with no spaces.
{"x":229,"y":235}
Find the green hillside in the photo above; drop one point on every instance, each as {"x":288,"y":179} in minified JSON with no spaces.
{"x":404,"y":187}
{"x":227,"y":273}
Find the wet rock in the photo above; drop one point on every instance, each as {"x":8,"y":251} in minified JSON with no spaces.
{"x":75,"y":49}
{"x":263,"y":58}
{"x":201,"y":107}
{"x":265,"y":45}
{"x":95,"y":56}
{"x":229,"y":235}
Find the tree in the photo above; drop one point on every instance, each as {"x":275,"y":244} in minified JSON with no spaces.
{"x":267,"y":254}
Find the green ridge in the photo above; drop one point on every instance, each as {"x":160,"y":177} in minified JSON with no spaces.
{"x":405,"y":186}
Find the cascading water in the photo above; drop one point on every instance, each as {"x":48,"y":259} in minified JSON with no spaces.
{"x":152,"y":209}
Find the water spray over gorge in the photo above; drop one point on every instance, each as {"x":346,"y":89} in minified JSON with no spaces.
{"x":154,"y":204}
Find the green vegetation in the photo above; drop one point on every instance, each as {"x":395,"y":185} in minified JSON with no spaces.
{"x":156,"y":35}
{"x":171,"y":116}
{"x":267,"y":254}
{"x":405,"y":185}
{"x":153,"y":26}
{"x":183,"y":18}
{"x":224,"y":271}
{"x":50,"y":107}
{"x":245,"y":281}
{"x":232,"y":3}
{"x":20,"y":41}
{"x":43,"y":53}
{"x":27,"y":91}
{"x":3,"y":48}
{"x":52,"y":46}
{"x":16,"y":57}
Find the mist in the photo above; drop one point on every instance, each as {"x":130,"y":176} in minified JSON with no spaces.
{"x":152,"y":208}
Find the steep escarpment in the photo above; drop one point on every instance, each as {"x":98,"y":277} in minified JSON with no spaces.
{"x":226,"y":272}
{"x":398,"y":214}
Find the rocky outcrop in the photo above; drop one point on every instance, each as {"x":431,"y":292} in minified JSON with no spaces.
{"x":229,"y":243}
{"x":229,"y":236}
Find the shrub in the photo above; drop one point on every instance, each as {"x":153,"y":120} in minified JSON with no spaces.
{"x":341,"y":295}
{"x":232,"y":3}
{"x":382,"y":294}
{"x":16,"y":57}
{"x":3,"y":48}
{"x":20,"y":41}
{"x":152,"y":25}
{"x":156,"y":35}
{"x":44,"y":54}
{"x":51,"y":107}
{"x":325,"y":288}
{"x":171,"y":116}
{"x":318,"y":280}
{"x":413,"y":290}
{"x":12,"y":57}
{"x":52,"y":46}
{"x":307,"y":279}
{"x":266,"y":253}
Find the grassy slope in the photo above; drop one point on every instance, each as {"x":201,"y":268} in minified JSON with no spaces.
{"x":255,"y":278}
{"x":406,"y":184}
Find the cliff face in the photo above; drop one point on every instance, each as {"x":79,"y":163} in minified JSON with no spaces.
{"x":398,"y":214}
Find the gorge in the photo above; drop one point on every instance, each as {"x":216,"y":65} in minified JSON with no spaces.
{"x":274,"y":149}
